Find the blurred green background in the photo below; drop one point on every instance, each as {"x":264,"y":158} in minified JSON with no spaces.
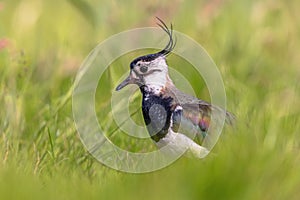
{"x":255,"y":44}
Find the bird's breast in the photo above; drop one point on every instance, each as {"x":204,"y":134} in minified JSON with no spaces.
{"x":157,"y":111}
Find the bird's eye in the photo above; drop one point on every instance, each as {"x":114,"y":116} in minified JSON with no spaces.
{"x":143,"y":69}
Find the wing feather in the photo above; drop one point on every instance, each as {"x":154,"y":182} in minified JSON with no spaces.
{"x":193,"y":117}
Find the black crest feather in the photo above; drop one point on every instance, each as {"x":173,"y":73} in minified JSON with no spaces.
{"x":168,"y":48}
{"x":171,"y":44}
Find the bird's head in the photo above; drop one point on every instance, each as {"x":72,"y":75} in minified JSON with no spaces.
{"x":151,"y":69}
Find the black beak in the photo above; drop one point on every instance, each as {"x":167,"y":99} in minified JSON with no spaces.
{"x":127,"y":81}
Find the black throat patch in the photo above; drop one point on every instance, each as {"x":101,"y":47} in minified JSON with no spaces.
{"x":157,"y":112}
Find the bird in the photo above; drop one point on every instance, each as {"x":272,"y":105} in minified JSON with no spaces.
{"x":172,"y":117}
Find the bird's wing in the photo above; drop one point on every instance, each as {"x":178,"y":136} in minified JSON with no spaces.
{"x":198,"y":119}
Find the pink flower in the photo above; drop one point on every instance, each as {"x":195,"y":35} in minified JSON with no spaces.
{"x":4,"y":43}
{"x":1,"y":6}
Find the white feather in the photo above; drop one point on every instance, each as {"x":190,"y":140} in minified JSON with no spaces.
{"x":158,"y":79}
{"x":178,"y":143}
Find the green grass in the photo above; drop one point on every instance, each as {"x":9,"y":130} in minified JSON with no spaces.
{"x":255,"y":44}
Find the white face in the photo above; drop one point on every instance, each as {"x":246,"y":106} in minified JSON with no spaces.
{"x":152,"y":73}
{"x":151,"y":70}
